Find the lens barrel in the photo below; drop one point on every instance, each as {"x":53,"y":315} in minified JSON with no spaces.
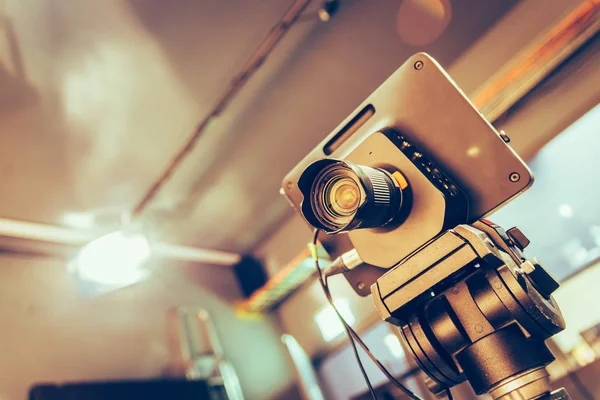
{"x":341,"y":196}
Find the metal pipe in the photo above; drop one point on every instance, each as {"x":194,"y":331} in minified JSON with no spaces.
{"x":236,"y":84}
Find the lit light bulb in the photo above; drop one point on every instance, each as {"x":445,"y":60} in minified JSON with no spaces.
{"x":114,"y":260}
{"x":565,"y":211}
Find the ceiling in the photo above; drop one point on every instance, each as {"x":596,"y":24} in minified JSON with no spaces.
{"x":96,"y":97}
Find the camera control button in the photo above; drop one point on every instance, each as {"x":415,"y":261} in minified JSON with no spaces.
{"x":518,"y":238}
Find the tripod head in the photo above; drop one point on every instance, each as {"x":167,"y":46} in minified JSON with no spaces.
{"x":470,"y":306}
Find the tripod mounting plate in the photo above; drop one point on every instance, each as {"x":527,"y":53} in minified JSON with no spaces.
{"x":469,"y":309}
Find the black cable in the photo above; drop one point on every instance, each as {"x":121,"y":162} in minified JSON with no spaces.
{"x":360,"y":364}
{"x":378,"y":363}
{"x":351,"y":333}
{"x":449,"y":394}
{"x":341,"y":318}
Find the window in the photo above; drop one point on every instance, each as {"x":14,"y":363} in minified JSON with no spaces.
{"x":560,"y":213}
{"x":329,"y":324}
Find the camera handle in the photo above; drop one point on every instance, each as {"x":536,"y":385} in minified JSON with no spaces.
{"x":470,"y":306}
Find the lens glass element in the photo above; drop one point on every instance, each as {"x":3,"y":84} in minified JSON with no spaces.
{"x":342,"y":196}
{"x":336,"y":196}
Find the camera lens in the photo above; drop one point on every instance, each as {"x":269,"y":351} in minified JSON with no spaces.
{"x":341,"y":196}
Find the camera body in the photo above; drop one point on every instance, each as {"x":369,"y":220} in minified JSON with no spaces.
{"x":433,"y":150}
{"x":401,"y":187}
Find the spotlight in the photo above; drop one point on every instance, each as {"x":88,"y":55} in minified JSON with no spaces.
{"x":328,"y":9}
{"x":112,"y":261}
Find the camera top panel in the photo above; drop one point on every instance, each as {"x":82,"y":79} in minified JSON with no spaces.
{"x":422,"y":102}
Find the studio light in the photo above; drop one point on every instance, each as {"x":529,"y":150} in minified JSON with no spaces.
{"x":328,"y":9}
{"x":112,"y":261}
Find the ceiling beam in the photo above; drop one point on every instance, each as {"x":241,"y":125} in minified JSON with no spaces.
{"x":56,"y":240}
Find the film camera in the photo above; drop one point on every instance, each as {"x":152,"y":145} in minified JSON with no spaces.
{"x":401,"y":187}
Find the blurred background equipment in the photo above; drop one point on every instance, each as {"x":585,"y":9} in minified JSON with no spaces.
{"x":308,"y":381}
{"x":250,"y":274}
{"x":203,"y":353}
{"x":96,"y":98}
{"x":123,"y":390}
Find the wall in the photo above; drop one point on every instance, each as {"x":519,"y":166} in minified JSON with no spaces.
{"x":53,"y":333}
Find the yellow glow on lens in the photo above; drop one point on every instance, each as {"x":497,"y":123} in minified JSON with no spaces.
{"x":347,"y":196}
{"x":344,"y":196}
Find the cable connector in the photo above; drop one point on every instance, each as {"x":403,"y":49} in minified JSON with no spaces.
{"x":314,"y":252}
{"x":344,"y":263}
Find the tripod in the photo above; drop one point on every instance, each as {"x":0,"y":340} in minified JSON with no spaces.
{"x":470,"y":306}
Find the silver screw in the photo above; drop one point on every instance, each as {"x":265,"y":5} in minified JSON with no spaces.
{"x":289,"y":185}
{"x":514,"y":177}
{"x":360,"y":286}
{"x":419,"y":65}
{"x":527,"y":267}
